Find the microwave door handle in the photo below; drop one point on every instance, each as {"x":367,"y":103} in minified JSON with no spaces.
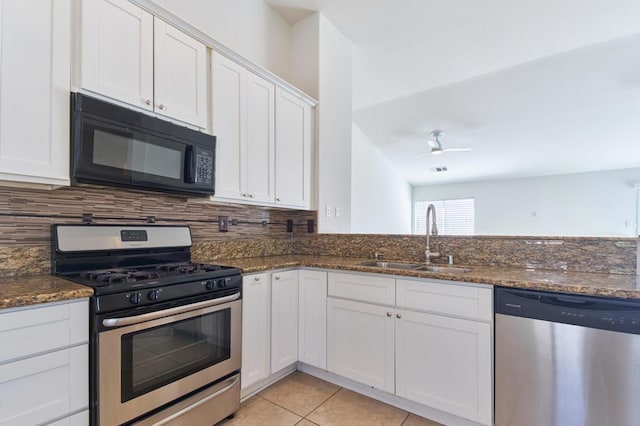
{"x":189,"y":165}
{"x":136,"y":319}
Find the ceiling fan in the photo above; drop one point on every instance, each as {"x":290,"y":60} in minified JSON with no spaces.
{"x":435,"y":146}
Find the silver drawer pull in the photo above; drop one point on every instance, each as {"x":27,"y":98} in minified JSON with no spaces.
{"x":389,"y":314}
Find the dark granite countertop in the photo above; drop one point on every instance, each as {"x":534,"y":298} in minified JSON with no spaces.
{"x":607,"y":285}
{"x":31,"y":290}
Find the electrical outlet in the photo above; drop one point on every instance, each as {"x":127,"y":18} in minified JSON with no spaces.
{"x":289,"y":225}
{"x":223,"y":223}
{"x":328,"y":211}
{"x":311,"y":226}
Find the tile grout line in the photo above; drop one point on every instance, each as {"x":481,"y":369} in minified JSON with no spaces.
{"x":405,"y":419}
{"x":322,"y":403}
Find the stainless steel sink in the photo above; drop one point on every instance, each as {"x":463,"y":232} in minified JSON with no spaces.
{"x":392,"y":265}
{"x":444,"y":269}
{"x":417,"y":267}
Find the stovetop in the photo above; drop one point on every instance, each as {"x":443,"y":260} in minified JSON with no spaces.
{"x":112,"y":280}
{"x":137,"y":266}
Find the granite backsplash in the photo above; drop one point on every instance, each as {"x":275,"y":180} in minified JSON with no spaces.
{"x":27,"y":214}
{"x":577,"y":254}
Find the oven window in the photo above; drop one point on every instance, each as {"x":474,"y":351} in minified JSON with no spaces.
{"x":127,"y":153}
{"x":154,"y":357}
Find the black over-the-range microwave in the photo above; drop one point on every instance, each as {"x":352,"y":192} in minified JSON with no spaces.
{"x":112,"y":145}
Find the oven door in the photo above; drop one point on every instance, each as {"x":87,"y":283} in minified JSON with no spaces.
{"x":155,"y":358}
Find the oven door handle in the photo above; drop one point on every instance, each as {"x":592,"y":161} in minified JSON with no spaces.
{"x":136,"y":319}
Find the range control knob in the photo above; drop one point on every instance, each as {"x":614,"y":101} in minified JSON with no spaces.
{"x":135,"y":298}
{"x":154,"y":294}
{"x":222,"y":283}
{"x":211,"y":285}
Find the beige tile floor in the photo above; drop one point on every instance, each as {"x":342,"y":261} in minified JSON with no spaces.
{"x":300,"y":399}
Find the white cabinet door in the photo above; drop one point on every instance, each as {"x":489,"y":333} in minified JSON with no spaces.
{"x":445,"y":363}
{"x":228,"y":91}
{"x":360,"y":342}
{"x":117,"y":51}
{"x":35,"y":69}
{"x":293,"y":150}
{"x":312,"y":325}
{"x":260,"y":148}
{"x":256,"y":331}
{"x":284,"y":319}
{"x":180,"y":75}
{"x":37,"y":389}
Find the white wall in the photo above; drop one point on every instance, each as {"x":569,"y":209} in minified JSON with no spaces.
{"x":249,"y":27}
{"x":380,"y":196}
{"x":581,"y":204}
{"x":305,"y":45}
{"x":334,"y":129}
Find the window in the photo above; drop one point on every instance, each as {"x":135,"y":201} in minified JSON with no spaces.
{"x":453,"y":217}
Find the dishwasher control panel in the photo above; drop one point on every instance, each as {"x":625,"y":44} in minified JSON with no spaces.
{"x":621,"y":315}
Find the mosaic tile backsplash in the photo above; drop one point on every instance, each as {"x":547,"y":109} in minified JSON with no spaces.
{"x":27,"y":214}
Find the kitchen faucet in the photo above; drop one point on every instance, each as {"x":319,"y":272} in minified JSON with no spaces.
{"x":431,"y":211}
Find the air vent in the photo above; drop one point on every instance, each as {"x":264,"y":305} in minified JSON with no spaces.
{"x":440,"y":169}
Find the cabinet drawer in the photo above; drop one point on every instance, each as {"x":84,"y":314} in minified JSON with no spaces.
{"x":30,"y":331}
{"x":449,"y":299}
{"x":38,"y":389}
{"x":366,"y":288}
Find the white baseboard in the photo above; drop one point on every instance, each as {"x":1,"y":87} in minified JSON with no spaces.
{"x":258,"y":386}
{"x":387,"y":398}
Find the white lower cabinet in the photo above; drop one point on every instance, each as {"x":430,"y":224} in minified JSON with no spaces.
{"x":44,"y":378}
{"x":312,"y":318}
{"x":438,"y":353}
{"x":360,"y":342}
{"x":284,"y":319}
{"x":256,"y":328}
{"x":269,"y":324}
{"x":444,"y":363}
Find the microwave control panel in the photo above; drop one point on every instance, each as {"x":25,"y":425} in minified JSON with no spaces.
{"x":203,"y":166}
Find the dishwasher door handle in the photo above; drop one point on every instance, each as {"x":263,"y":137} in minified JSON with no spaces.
{"x":567,"y":302}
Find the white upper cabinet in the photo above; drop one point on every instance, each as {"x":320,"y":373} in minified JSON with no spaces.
{"x":260,"y":139}
{"x":293,"y":150}
{"x":129,"y":55}
{"x":243,"y":122}
{"x":263,"y":139}
{"x":228,"y":90}
{"x":117,"y":51}
{"x":180,"y":75}
{"x":35,"y":58}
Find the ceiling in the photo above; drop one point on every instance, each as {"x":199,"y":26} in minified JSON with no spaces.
{"x":535,"y":88}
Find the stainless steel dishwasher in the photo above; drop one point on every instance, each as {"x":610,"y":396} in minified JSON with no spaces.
{"x":566,"y":360}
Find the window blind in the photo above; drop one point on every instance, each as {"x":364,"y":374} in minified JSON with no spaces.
{"x":453,"y":217}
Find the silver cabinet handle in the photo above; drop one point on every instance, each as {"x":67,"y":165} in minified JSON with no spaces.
{"x":148,"y":102}
{"x":256,"y":278}
{"x":136,"y":319}
{"x":389,"y":314}
{"x":162,"y":106}
{"x":398,"y":316}
{"x":277,"y":277}
{"x":250,"y":195}
{"x":278,"y":200}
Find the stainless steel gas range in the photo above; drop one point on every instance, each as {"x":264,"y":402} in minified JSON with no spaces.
{"x":165,"y":332}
